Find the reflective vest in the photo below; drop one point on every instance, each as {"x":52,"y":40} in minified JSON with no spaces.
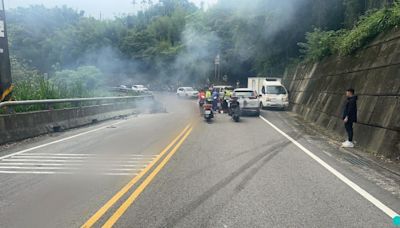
{"x":228,"y":94}
{"x":208,"y":94}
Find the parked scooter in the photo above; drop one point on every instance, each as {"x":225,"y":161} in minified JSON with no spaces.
{"x":234,"y":109}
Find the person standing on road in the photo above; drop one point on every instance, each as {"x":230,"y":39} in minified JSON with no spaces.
{"x":350,"y":116}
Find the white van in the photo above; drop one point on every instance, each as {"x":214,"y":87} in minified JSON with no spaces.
{"x":272,"y":93}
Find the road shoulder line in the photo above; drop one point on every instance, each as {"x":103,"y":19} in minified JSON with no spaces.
{"x":341,"y":177}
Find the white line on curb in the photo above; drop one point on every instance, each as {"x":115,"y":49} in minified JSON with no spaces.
{"x":344,"y":179}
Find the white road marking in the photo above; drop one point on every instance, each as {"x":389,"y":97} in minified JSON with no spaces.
{"x":64,"y":164}
{"x":63,"y":168}
{"x":81,"y":158}
{"x":64,"y":173}
{"x":66,"y":161}
{"x":60,"y":140}
{"x":86,"y":155}
{"x":344,"y":179}
{"x":23,"y":162}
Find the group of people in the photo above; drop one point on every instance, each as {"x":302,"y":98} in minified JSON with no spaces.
{"x":212,"y":96}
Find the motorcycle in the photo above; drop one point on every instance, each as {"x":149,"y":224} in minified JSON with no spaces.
{"x":234,"y":109}
{"x":225,"y":105}
{"x":208,"y":111}
{"x":202,"y":101}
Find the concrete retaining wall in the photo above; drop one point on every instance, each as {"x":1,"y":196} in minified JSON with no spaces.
{"x":317,"y":93}
{"x":20,"y":126}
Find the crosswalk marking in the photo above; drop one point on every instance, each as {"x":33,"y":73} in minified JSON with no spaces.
{"x":79,"y":158}
{"x":59,"y":168}
{"x":64,"y":173}
{"x":67,"y":161}
{"x":62,"y":163}
{"x":88,"y":155}
{"x":83,"y":155}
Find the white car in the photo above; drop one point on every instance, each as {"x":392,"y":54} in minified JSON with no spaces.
{"x":140,"y":88}
{"x":249,"y":101}
{"x":187,"y":92}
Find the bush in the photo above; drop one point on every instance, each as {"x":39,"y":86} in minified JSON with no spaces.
{"x":31,"y":85}
{"x":366,"y":29}
{"x":319,"y":44}
{"x":345,"y":42}
{"x":82,"y":82}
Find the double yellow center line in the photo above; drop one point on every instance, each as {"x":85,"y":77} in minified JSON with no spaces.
{"x":176,"y":144}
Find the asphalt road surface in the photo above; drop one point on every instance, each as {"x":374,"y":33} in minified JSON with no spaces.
{"x":175,"y":170}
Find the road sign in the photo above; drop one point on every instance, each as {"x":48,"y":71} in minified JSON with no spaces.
{"x":217,"y":60}
{"x":225,"y":78}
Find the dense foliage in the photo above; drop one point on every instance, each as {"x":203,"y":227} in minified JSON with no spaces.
{"x":173,"y":42}
{"x":346,"y":41}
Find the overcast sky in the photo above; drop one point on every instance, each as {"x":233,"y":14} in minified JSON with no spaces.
{"x":108,"y":8}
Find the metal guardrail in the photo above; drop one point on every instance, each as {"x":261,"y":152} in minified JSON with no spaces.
{"x":72,"y":100}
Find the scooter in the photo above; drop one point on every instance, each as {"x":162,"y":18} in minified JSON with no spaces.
{"x":208,"y":111}
{"x":234,"y":109}
{"x":202,"y":101}
{"x":225,"y":105}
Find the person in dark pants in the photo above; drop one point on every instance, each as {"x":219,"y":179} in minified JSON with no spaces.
{"x":350,"y":116}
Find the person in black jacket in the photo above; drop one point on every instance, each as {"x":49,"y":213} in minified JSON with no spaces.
{"x":350,"y":116}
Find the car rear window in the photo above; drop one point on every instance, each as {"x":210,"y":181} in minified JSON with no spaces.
{"x":244,"y":94}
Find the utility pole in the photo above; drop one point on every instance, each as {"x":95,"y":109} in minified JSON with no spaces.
{"x":5,"y":65}
{"x":217,"y":69}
